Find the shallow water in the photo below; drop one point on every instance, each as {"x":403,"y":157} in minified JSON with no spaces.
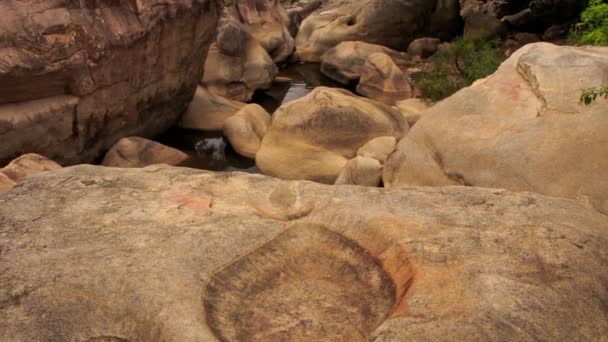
{"x":299,"y":80}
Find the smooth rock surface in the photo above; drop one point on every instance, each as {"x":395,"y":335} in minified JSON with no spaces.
{"x":412,"y":109}
{"x":345,"y":62}
{"x":246,"y":129}
{"x":382,"y":80}
{"x":362,"y":171}
{"x":140,"y":152}
{"x":208,"y":111}
{"x":313,"y":137}
{"x":76,"y":77}
{"x":103,"y":254}
{"x":379,"y":148}
{"x":523,"y":129}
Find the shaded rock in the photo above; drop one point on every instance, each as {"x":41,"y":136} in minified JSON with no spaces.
{"x":424,"y":47}
{"x":446,"y":22}
{"x":361,"y":171}
{"x":345,"y":62}
{"x":315,"y":136}
{"x":237,"y":71}
{"x":208,"y":111}
{"x":524,"y":38}
{"x":556,"y":32}
{"x":522,"y":129}
{"x":393,"y":24}
{"x":140,"y":152}
{"x":379,"y":148}
{"x":246,"y":129}
{"x":75,"y":79}
{"x":299,"y":13}
{"x":212,"y":148}
{"x":412,"y":109}
{"x":244,"y":255}
{"x":483,"y":26}
{"x":382,"y":80}
{"x":6,"y":184}
{"x":268,"y":23}
{"x":28,"y":165}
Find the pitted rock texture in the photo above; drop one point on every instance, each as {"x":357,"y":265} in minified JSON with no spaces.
{"x":523,"y":129}
{"x":76,"y":76}
{"x":158,"y":254}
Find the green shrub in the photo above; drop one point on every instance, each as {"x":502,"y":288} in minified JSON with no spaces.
{"x":591,"y":94}
{"x":456,"y":67}
{"x":593,"y":28}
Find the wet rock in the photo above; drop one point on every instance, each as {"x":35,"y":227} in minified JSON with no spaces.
{"x":28,"y":165}
{"x":345,"y":62}
{"x":522,"y":129}
{"x":101,"y":72}
{"x":246,"y":129}
{"x":208,"y":111}
{"x":314,"y":137}
{"x":237,"y":71}
{"x":246,"y":255}
{"x":140,"y":152}
{"x":379,"y":148}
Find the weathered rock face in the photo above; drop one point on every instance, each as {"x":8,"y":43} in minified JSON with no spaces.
{"x":413,"y":109}
{"x":268,"y":23}
{"x":208,"y":111}
{"x":382,"y":80}
{"x":74,"y":79}
{"x":390,"y":23}
{"x":362,"y":171}
{"x":140,"y":152}
{"x":246,"y":129}
{"x":313,"y":137}
{"x":98,"y":254}
{"x":237,"y":65}
{"x":523,"y":128}
{"x":25,"y":166}
{"x":345,"y":62}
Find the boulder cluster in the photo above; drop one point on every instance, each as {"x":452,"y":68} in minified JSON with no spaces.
{"x":378,"y":215}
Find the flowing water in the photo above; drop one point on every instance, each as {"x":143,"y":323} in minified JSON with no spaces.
{"x":211,"y":151}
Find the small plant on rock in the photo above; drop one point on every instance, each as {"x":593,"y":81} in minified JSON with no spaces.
{"x":458,"y":66}
{"x":592,"y":94}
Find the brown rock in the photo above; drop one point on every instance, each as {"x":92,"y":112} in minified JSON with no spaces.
{"x":382,"y":80}
{"x":208,"y":111}
{"x":28,"y":165}
{"x":412,"y":109}
{"x":236,"y":72}
{"x":246,"y":129}
{"x":362,"y":171}
{"x":74,"y":79}
{"x":315,"y":136}
{"x":379,"y":148}
{"x":102,"y":254}
{"x":268,"y":23}
{"x":393,"y":24}
{"x":424,"y":47}
{"x":6,"y":184}
{"x":345,"y":62}
{"x":140,"y":152}
{"x":522,"y":129}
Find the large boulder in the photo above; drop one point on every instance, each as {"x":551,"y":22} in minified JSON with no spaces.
{"x":140,"y":152}
{"x":208,"y":111}
{"x":522,"y":129}
{"x":345,"y":62}
{"x":382,"y":80}
{"x":76,"y":77}
{"x":237,"y":65}
{"x":171,"y":254}
{"x":390,"y":23}
{"x":268,"y":22}
{"x":313,"y":137}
